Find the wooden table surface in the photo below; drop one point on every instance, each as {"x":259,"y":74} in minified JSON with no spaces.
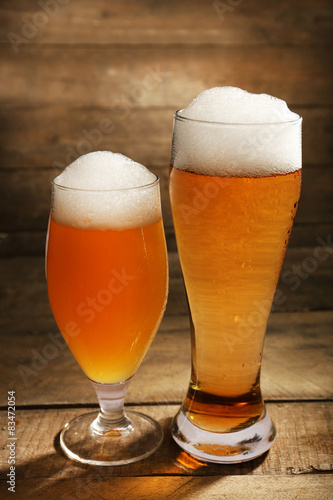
{"x":50,"y":389}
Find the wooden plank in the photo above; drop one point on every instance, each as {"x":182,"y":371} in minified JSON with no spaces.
{"x":32,"y":243}
{"x":193,"y":21}
{"x":150,"y":75}
{"x":26,"y":196}
{"x":305,"y":235}
{"x":20,"y":243}
{"x":25,"y":199}
{"x":303,"y":269}
{"x":296,"y":362}
{"x":303,"y":446}
{"x":315,"y":179}
{"x":26,"y":188}
{"x":297,"y":290}
{"x":56,"y":135}
{"x":23,"y":285}
{"x":98,"y":484}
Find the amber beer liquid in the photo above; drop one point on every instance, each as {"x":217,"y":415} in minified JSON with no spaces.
{"x":107,"y":276}
{"x":232,"y":234}
{"x":114,"y":294}
{"x":234,"y":189}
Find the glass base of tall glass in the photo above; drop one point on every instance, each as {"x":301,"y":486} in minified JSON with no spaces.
{"x":111,"y":436}
{"x":227,"y":447}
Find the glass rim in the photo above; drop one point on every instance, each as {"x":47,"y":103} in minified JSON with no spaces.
{"x":155,"y":182}
{"x":178,"y":116}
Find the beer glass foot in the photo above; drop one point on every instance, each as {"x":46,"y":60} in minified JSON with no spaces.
{"x":223,"y":448}
{"x":136,"y":438}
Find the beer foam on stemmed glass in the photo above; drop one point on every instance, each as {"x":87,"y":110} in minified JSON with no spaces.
{"x":258,"y":136}
{"x":104,"y":190}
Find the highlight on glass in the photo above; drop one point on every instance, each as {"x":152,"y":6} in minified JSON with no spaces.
{"x":235,"y":181}
{"x":107,"y":277}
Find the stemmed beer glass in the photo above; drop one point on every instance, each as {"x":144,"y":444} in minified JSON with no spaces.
{"x":107,"y":284}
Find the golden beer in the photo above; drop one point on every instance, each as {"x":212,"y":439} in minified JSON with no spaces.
{"x":114,"y":298}
{"x":232,"y":234}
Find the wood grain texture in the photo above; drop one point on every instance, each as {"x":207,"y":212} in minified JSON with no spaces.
{"x":303,"y":448}
{"x":305,"y":281}
{"x":26,"y":196}
{"x":26,"y":193}
{"x":32,"y":243}
{"x":162,"y":22}
{"x":23,"y":285}
{"x":297,"y":357}
{"x":149,"y":76}
{"x":53,"y":136}
{"x":20,"y":243}
{"x":97,"y":486}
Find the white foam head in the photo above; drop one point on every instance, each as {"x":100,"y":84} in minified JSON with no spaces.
{"x":230,"y":132}
{"x":104,"y":190}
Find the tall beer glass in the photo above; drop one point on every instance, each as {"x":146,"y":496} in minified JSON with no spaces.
{"x":232,"y":233}
{"x":107,"y":284}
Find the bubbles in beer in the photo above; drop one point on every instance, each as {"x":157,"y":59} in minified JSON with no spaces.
{"x":230,"y":132}
{"x":98,"y":191}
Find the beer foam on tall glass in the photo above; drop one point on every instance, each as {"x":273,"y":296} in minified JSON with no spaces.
{"x":104,"y":190}
{"x":258,"y":136}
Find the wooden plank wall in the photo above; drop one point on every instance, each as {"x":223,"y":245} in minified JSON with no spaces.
{"x":77,"y":76}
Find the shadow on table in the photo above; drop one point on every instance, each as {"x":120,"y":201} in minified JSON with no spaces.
{"x":167,"y":473}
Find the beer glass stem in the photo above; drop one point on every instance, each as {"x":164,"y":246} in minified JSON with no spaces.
{"x":111,"y":436}
{"x":111,"y":418}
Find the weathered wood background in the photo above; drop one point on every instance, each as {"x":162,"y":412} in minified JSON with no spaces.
{"x":78,"y":76}
{"x":81,"y":75}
